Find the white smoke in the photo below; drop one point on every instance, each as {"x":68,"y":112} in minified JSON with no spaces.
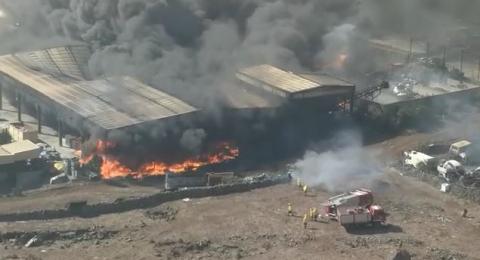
{"x":349,"y":165}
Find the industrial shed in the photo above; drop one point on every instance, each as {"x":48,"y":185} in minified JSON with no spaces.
{"x":321,"y":89}
{"x":18,"y":151}
{"x":57,"y":78}
{"x":420,"y":92}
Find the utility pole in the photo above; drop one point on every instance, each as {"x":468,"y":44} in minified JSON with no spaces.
{"x":409,"y":58}
{"x":39,"y":118}
{"x":427,"y":47}
{"x":478,"y":72}
{"x":1,"y":96}
{"x":19,"y":107}
{"x":444,"y":58}
{"x":461,"y":60}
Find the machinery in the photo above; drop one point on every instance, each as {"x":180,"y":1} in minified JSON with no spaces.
{"x":354,"y":208}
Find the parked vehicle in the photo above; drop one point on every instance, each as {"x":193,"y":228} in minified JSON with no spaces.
{"x":450,"y":170}
{"x":459,"y":150}
{"x":354,"y":208}
{"x":373,"y":214}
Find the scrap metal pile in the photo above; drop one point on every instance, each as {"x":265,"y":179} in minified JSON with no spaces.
{"x":457,"y":165}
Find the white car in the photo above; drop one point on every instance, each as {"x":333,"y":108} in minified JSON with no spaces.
{"x":451,"y":170}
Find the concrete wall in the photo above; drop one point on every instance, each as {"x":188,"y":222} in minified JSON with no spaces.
{"x":94,"y":210}
{"x":173,"y":182}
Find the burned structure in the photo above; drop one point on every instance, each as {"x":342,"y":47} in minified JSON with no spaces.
{"x":55,"y":83}
{"x":274,"y":113}
{"x":322,"y":92}
{"x":263,"y":106}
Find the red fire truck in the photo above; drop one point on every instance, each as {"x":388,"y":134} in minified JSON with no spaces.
{"x":354,"y":208}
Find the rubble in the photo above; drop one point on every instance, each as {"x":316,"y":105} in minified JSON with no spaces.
{"x":203,"y":248}
{"x":450,"y":175}
{"x":445,"y":187}
{"x":401,"y":254}
{"x":164,"y":213}
{"x":254,"y":179}
{"x":417,"y":159}
{"x":405,"y":87}
{"x":47,"y":238}
{"x":34,"y":241}
{"x":439,"y":253}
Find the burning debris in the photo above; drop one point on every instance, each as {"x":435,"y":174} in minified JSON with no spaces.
{"x":110,"y":166}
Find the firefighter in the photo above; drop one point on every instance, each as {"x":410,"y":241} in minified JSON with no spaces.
{"x":290,"y":211}
{"x":312,"y":216}
{"x":315,"y":214}
{"x":305,"y":189}
{"x":464,"y":213}
{"x":305,"y":220}
{"x":299,"y":183}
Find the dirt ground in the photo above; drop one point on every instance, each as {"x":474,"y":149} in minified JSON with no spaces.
{"x":254,"y":225}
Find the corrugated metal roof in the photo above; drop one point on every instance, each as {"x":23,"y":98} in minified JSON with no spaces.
{"x":326,"y":80}
{"x":276,"y":78}
{"x":20,"y":147}
{"x":18,"y":151}
{"x":68,"y":61}
{"x":437,"y":89}
{"x":241,"y":98}
{"x":294,"y":86}
{"x":109,"y":103}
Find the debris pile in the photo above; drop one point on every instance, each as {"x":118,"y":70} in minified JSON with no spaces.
{"x":164,"y":213}
{"x":455,"y":171}
{"x":47,"y":238}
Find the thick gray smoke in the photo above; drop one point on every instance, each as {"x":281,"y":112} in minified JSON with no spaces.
{"x":346,"y":52}
{"x":191,"y":47}
{"x":433,"y":19}
{"x":186,"y":47}
{"x":347,"y":166}
{"x":192,"y":139}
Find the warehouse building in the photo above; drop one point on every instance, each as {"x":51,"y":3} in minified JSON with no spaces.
{"x":419,"y":91}
{"x":318,"y":92}
{"x":56,"y":81}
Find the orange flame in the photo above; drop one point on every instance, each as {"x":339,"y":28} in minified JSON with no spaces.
{"x":340,"y":61}
{"x":111,"y":167}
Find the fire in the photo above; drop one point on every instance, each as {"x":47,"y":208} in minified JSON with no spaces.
{"x":112,"y":167}
{"x":340,"y":61}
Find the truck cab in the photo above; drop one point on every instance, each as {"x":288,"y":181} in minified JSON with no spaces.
{"x":459,"y":150}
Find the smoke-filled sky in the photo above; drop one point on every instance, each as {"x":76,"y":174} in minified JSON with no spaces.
{"x":192,"y":47}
